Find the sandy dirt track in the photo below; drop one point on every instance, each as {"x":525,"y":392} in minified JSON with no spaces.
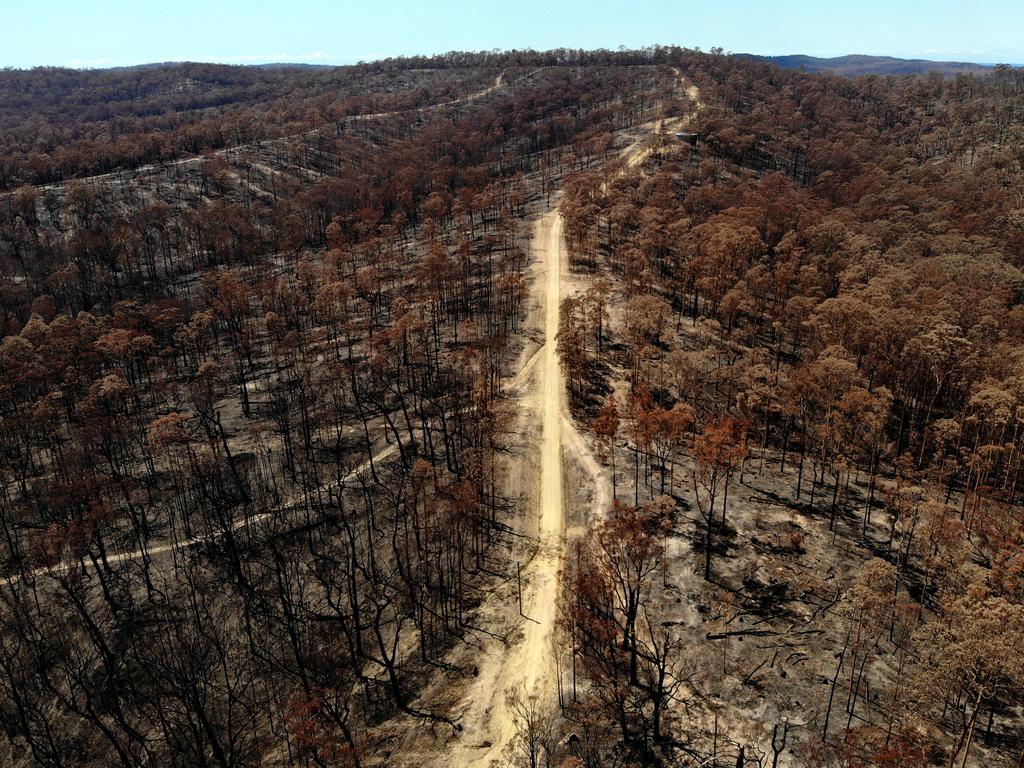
{"x":65,"y":566}
{"x":641,"y":149}
{"x":529,"y":665}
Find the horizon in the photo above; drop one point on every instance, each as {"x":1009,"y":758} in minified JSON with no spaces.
{"x":294,"y":63}
{"x":112,"y":33}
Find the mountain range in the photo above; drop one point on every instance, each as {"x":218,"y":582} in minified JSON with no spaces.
{"x":854,"y":65}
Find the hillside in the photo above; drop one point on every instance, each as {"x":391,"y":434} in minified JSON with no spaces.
{"x":60,"y":123}
{"x":564,"y":408}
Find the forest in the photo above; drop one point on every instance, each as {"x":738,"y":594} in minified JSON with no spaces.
{"x":289,"y":476}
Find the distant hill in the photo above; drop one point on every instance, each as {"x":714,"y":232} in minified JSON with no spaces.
{"x":855,"y":65}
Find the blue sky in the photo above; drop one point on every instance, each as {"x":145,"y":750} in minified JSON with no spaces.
{"x":97,"y":33}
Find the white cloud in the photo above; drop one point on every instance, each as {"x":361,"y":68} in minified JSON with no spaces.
{"x":312,"y":57}
{"x":90,"y":63}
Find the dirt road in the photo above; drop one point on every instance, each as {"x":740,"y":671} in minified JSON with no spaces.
{"x":65,"y":566}
{"x":529,"y":664}
{"x":641,"y":149}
